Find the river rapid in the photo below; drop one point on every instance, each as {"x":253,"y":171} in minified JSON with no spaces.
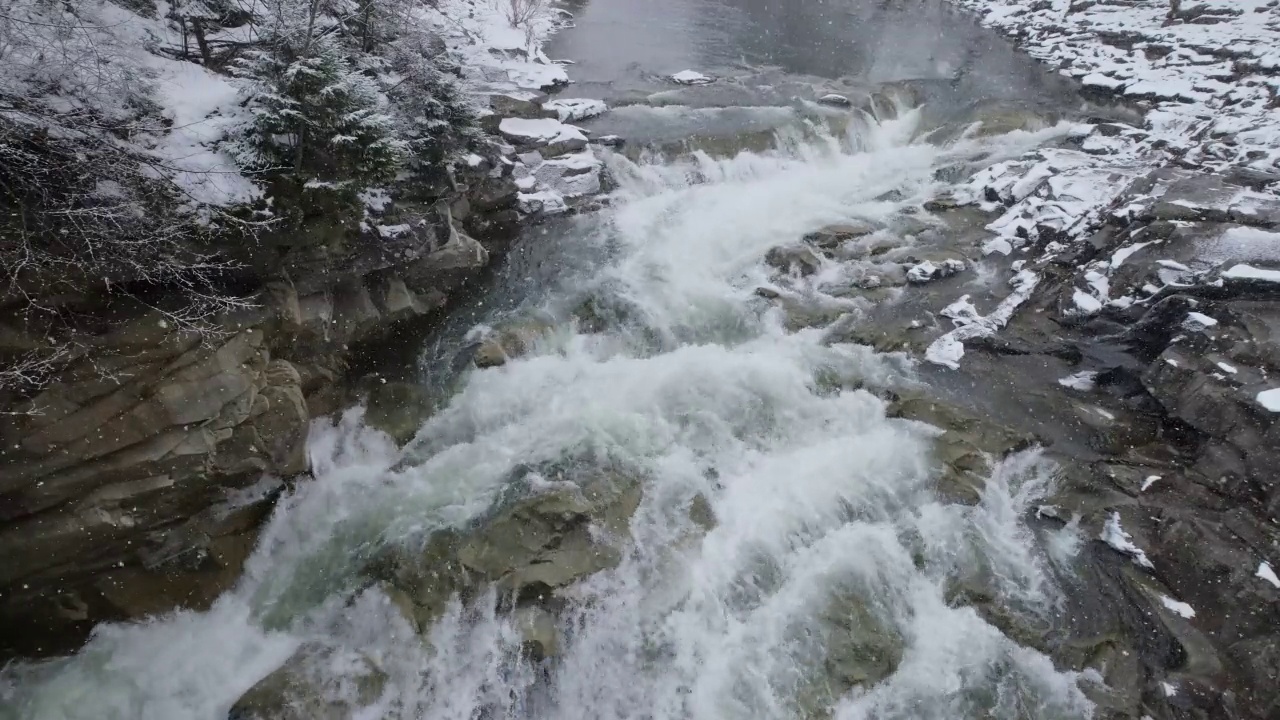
{"x":816,"y":577}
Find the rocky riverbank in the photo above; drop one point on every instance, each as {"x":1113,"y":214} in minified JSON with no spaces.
{"x":136,"y":480}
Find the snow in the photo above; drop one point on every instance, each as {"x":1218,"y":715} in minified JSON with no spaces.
{"x":394,"y":231}
{"x":204,"y":108}
{"x":572,"y":109}
{"x":1083,"y":381}
{"x":1119,"y":256}
{"x":1117,"y":538}
{"x":949,"y":349}
{"x":997,"y":245}
{"x":1201,"y":320}
{"x":1270,"y":399}
{"x":925,"y":271}
{"x":1242,"y":244}
{"x":946,"y":350}
{"x":1249,"y":272}
{"x":1266,"y":573}
{"x":692,"y":77}
{"x":1178,"y":607}
{"x":496,"y":57}
{"x":1086,"y":303}
{"x":537,"y":77}
{"x":547,"y":202}
{"x":1148,"y":482}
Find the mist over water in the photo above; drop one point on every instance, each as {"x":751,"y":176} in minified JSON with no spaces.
{"x":827,"y":538}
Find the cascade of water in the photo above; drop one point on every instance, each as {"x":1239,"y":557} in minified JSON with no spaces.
{"x":819,"y":589}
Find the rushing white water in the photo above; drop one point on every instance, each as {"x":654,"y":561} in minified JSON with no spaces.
{"x":822,"y":505}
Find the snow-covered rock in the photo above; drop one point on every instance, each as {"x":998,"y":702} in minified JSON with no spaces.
{"x":925,"y":271}
{"x":691,"y":77}
{"x":573,"y":109}
{"x":553,"y":136}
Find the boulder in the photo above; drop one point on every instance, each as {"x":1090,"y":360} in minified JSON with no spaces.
{"x":520,"y":104}
{"x":798,"y":259}
{"x":564,"y":524}
{"x":317,"y":683}
{"x":832,"y":236}
{"x":510,"y":340}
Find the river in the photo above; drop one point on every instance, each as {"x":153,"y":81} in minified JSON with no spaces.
{"x":827,"y":551}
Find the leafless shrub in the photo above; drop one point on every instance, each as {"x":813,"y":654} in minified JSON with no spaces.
{"x":522,"y":13}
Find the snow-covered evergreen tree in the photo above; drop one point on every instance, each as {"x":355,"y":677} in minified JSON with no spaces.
{"x":316,"y":115}
{"x":348,"y":90}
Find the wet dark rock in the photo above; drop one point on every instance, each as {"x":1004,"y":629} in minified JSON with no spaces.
{"x":398,"y":408}
{"x":967,"y":447}
{"x":832,"y":236}
{"x":798,"y":259}
{"x":510,"y":340}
